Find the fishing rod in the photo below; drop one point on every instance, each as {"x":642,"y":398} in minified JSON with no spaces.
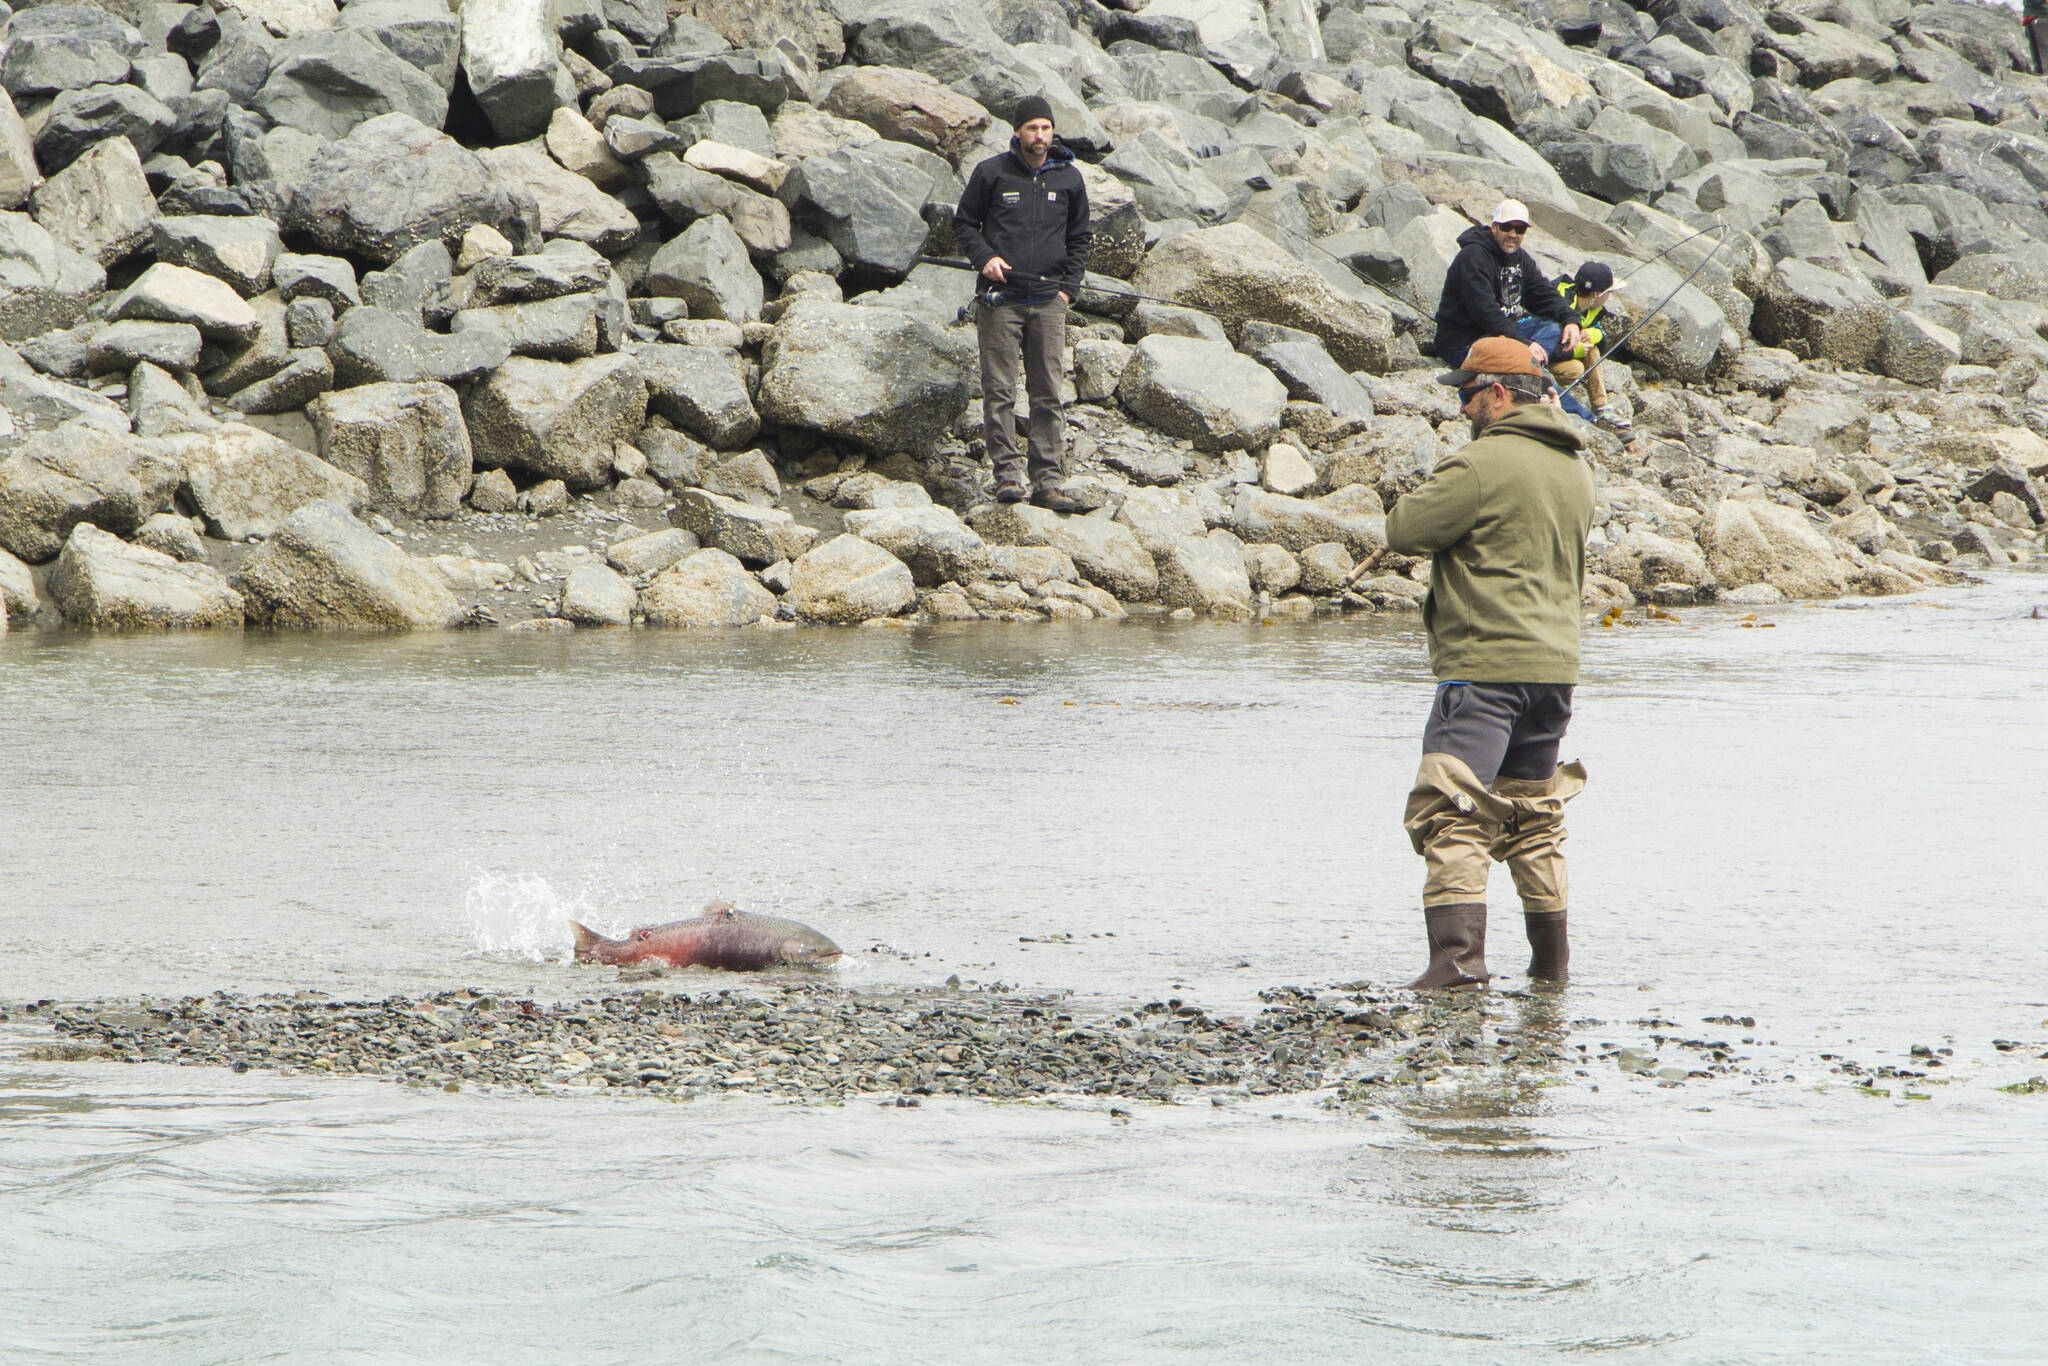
{"x":968,"y":266}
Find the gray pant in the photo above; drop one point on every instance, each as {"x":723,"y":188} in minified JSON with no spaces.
{"x":1500,"y":730}
{"x":1036,"y":334}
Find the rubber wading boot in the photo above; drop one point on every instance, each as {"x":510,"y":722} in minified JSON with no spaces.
{"x":1457,"y":947}
{"x":1550,"y":954}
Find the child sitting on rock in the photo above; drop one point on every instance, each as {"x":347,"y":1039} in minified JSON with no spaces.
{"x":1587,"y":293}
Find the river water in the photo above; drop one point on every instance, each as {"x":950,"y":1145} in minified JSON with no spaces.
{"x":1829,"y":821}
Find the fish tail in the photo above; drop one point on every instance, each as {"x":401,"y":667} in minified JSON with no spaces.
{"x":588,"y":942}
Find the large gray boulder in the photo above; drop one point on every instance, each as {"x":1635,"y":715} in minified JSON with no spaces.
{"x":758,"y":536}
{"x":705,"y":588}
{"x":1311,"y":375}
{"x":1167,"y":181}
{"x":104,"y":584}
{"x":1641,"y":559}
{"x":680,"y":86}
{"x":406,"y":442}
{"x":307,"y":373}
{"x":1202,"y":391}
{"x":909,"y":106}
{"x":394,"y":183}
{"x":327,"y":83}
{"x":569,"y":206}
{"x":1106,"y":553}
{"x":868,"y":206}
{"x":1296,"y":524}
{"x":1685,"y":338}
{"x":1818,"y":313}
{"x":421,"y":32}
{"x":701,"y":390}
{"x":19,"y":174}
{"x":37,"y":403}
{"x":79,"y":119}
{"x":1234,"y":34}
{"x":933,"y":541}
{"x":706,"y":266}
{"x":553,"y":329}
{"x":848,"y":580}
{"x":874,"y":376}
{"x":54,"y":48}
{"x":2005,"y":275}
{"x":43,"y":283}
{"x":241,"y":251}
{"x":1502,"y":70}
{"x":1206,"y":574}
{"x":121,"y":346}
{"x":175,"y":294}
{"x":554,"y":420}
{"x":246,"y":482}
{"x":1751,"y":541}
{"x":374,"y":345}
{"x":326,"y":570}
{"x":564,"y":268}
{"x":686,"y":194}
{"x":593,"y":595}
{"x":17,"y":589}
{"x":512,"y":56}
{"x":1236,"y":272}
{"x":1918,"y":350}
{"x":80,"y":472}
{"x":100,"y":205}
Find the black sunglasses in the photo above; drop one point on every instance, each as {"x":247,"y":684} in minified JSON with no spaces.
{"x":1470,"y":392}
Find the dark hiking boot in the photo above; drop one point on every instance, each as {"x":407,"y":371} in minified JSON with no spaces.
{"x":1457,"y":947}
{"x":1054,"y":500}
{"x":1010,"y":490}
{"x":1550,"y":955}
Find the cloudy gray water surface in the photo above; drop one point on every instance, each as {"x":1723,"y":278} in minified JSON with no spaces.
{"x":1830,"y":825}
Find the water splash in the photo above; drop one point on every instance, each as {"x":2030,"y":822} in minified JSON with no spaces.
{"x":519,"y":915}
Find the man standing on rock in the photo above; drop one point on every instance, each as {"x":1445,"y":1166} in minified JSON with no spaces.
{"x":1023,"y":222}
{"x":2034,"y":23}
{"x":1494,"y":288}
{"x":1505,"y":522}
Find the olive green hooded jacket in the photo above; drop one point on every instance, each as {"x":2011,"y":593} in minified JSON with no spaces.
{"x":1505,"y":522}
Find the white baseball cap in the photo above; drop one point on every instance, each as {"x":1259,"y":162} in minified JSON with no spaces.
{"x":1511,"y":211}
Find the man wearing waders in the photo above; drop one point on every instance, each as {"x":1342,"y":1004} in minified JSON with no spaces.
{"x":1505,"y":522}
{"x":1023,"y":223}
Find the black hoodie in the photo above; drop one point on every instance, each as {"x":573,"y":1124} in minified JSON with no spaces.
{"x":1486,"y":290}
{"x":1038,"y":223}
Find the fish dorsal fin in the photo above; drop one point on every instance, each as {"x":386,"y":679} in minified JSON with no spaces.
{"x":720,"y":908}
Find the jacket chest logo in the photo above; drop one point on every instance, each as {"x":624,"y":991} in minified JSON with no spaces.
{"x":1013,"y":196}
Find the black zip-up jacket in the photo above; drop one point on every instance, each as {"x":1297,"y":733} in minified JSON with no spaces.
{"x":1036,"y":222}
{"x":1486,"y":289}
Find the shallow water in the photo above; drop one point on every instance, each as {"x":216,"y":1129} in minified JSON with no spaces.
{"x":1822,"y":824}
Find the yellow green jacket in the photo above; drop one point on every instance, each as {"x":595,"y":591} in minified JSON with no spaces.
{"x":1588,"y":319}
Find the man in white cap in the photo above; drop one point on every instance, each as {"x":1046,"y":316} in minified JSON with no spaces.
{"x":1494,"y":288}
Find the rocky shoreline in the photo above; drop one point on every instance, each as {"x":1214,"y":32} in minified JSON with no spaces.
{"x":327,"y":317}
{"x":823,"y":1042}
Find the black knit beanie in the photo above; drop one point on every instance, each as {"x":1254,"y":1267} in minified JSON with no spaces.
{"x":1029,"y":108}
